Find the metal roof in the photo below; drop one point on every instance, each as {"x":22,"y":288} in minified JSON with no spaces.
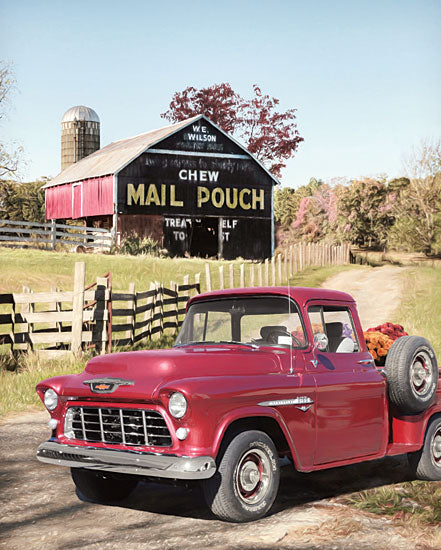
{"x":113,"y":157}
{"x":80,"y":112}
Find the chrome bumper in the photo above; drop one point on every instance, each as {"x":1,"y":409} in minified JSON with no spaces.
{"x":127,"y":462}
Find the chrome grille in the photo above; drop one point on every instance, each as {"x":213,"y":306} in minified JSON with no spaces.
{"x":117,"y":426}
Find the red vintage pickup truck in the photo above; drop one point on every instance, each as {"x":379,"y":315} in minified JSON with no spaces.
{"x":255,"y":374}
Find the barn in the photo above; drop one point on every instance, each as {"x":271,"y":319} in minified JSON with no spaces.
{"x":189,"y":186}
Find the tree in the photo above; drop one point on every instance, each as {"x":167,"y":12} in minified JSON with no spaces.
{"x":285,"y":206}
{"x":270,"y":135}
{"x":8,"y":159}
{"x":417,"y":209}
{"x":364,"y":216}
{"x":22,"y":201}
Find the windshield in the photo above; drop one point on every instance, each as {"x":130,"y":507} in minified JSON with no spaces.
{"x":262,"y":321}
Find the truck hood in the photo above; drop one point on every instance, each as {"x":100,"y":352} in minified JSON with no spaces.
{"x":140,"y":375}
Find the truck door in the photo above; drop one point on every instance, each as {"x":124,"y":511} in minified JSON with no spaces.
{"x":351,"y":411}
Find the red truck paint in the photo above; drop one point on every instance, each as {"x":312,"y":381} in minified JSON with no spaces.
{"x":349,"y":421}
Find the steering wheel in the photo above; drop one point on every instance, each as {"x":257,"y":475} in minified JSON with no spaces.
{"x":274,"y":335}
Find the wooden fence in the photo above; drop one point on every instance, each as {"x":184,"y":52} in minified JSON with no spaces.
{"x":280,"y":267}
{"x":58,"y":322}
{"x":47,"y":235}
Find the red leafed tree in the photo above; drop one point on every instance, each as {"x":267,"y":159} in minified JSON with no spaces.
{"x":271,"y":136}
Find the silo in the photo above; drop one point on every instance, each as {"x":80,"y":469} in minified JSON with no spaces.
{"x":80,"y":134}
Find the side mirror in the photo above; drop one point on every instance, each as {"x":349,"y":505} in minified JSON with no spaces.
{"x":320,"y":341}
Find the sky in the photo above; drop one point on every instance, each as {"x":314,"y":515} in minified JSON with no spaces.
{"x":364,"y":75}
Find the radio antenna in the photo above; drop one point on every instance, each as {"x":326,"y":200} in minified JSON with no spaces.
{"x":289,"y":320}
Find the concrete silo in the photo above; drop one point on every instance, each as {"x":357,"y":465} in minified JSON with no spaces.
{"x":80,"y":134}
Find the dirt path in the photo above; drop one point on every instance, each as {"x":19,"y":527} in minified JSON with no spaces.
{"x":40,"y":510}
{"x":377,"y":292}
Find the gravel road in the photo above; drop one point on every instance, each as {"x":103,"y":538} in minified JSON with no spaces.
{"x":40,"y":510}
{"x":377,"y":292}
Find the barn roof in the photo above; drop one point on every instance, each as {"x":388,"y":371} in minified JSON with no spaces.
{"x":113,"y":157}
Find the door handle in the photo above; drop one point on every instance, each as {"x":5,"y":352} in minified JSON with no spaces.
{"x":365,"y":361}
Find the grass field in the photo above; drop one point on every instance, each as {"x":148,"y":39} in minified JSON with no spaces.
{"x":420,"y":310}
{"x":41,"y":269}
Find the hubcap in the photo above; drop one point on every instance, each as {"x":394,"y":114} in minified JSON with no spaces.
{"x":436,"y":448}
{"x":421,"y":373}
{"x":252,"y":476}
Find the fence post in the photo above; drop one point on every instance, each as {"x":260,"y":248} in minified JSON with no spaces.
{"x":148,"y":317}
{"x":231,"y":276}
{"x":175,"y":305}
{"x":279,"y":269}
{"x":26,"y":328}
{"x":290,"y":265}
{"x":221,"y":277}
{"x":197,"y":282}
{"x":273,"y":271}
{"x":53,"y":234}
{"x":101,"y":334}
{"x":259,"y":273}
{"x":77,"y":307}
{"x":242,"y":275}
{"x":207,"y":277}
{"x":131,"y":304}
{"x":266,"y":272}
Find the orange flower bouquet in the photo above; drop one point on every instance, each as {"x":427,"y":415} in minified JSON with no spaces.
{"x":379,"y":340}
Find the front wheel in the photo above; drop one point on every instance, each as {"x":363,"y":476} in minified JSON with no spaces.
{"x":102,"y":486}
{"x":247,"y":479}
{"x":426,"y":463}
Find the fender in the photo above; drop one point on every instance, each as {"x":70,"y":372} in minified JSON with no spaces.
{"x":409,"y":431}
{"x":244,"y":413}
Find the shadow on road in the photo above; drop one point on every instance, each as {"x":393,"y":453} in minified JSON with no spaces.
{"x":296,"y":489}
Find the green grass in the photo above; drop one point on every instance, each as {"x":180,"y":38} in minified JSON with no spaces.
{"x":42,"y":269}
{"x":19,"y":376}
{"x":414,"y":501}
{"x":18,"y":386}
{"x":420,"y":310}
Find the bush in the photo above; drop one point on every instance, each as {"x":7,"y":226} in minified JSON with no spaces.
{"x":136,"y":245}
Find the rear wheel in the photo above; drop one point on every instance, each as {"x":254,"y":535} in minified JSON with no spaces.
{"x":412,"y":374}
{"x":102,"y":486}
{"x":247,"y":479}
{"x":426,"y":463}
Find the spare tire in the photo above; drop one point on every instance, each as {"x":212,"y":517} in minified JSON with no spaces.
{"x":412,"y":374}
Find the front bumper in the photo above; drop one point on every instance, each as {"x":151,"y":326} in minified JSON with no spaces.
{"x":127,"y":462}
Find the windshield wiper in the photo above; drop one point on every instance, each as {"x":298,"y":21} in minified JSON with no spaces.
{"x":253,"y":346}
{"x":202,"y":343}
{"x":195,"y":343}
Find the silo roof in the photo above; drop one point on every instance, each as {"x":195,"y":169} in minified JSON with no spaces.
{"x":113,"y":157}
{"x":80,"y":112}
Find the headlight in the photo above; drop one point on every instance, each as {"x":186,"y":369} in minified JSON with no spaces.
{"x":50,"y":399}
{"x":177,"y":405}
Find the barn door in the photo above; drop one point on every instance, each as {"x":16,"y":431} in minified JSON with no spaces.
{"x":77,"y":202}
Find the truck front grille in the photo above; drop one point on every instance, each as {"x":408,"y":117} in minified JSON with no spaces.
{"x":117,"y":426}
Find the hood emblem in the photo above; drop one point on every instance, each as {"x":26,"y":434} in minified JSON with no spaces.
{"x":107,"y":385}
{"x":303,"y":403}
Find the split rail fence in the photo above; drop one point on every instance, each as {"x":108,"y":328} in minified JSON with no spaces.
{"x":47,"y":235}
{"x":59,"y":322}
